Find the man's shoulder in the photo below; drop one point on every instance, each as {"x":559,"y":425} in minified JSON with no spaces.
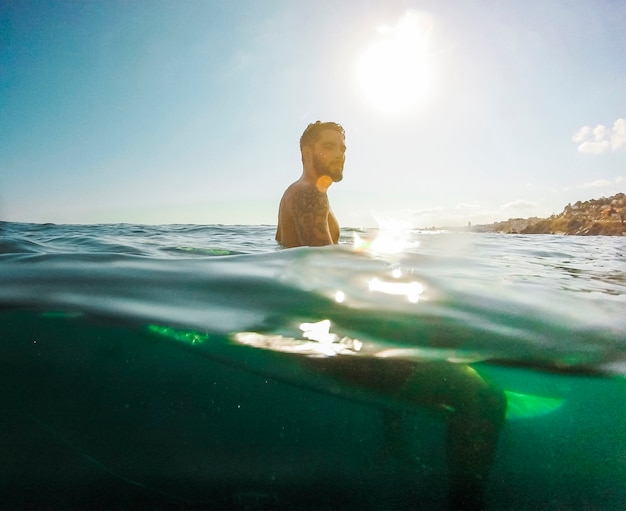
{"x":302,"y":195}
{"x":302,"y":188}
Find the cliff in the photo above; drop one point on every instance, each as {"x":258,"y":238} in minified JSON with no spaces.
{"x":595,"y":217}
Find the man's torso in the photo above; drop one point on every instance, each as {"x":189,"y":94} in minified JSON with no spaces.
{"x":305,"y":217}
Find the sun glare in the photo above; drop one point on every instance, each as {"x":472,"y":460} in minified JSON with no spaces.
{"x":393,"y":72}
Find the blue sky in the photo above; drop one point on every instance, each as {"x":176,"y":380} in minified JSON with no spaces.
{"x":191,"y":111}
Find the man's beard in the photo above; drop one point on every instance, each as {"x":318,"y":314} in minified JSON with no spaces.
{"x":324,"y":169}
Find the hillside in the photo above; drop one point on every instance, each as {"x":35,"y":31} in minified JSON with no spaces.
{"x":595,"y":217}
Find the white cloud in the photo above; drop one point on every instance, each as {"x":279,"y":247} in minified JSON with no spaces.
{"x":593,"y":147}
{"x":464,"y":206}
{"x":598,"y":183}
{"x":601,"y":139}
{"x":581,"y":135}
{"x":618,"y":137}
{"x":599,"y":133}
{"x":519,"y":204}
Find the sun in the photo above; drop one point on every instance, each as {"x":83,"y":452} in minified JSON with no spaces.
{"x":394,"y":72}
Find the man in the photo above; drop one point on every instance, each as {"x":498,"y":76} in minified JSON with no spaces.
{"x":305,"y":217}
{"x":474,"y":407}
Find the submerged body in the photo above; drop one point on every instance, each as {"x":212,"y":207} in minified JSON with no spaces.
{"x":473,"y":407}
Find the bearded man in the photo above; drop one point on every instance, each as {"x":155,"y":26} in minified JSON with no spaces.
{"x":304,"y":216}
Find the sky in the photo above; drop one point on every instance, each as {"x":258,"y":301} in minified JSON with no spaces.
{"x":162,"y":112}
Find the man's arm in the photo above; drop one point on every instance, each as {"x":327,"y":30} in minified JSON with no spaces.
{"x":310,"y":214}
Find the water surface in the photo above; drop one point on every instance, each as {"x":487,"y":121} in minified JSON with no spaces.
{"x":153,"y":366}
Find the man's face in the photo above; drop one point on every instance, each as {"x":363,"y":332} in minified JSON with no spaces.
{"x":329,"y":155}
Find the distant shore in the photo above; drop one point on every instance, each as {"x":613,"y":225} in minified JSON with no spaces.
{"x":595,"y":217}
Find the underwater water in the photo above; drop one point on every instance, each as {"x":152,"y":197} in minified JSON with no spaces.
{"x":202,"y":367}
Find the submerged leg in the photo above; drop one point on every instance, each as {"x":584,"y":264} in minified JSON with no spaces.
{"x":476,"y":411}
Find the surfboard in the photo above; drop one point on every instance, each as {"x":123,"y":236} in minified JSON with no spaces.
{"x":520,"y":405}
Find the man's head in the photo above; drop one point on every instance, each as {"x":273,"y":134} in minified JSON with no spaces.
{"x":323,"y":149}
{"x":313,"y":131}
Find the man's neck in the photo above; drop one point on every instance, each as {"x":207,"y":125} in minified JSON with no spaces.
{"x":322,"y":183}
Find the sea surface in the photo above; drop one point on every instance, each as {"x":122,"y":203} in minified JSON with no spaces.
{"x":176,"y":366}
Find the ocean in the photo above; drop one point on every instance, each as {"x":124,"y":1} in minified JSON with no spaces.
{"x":204,"y":367}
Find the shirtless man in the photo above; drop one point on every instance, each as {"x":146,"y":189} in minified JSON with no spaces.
{"x":474,"y":408}
{"x":304,"y":216}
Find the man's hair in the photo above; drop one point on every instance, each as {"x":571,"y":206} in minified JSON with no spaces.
{"x":313,"y":131}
